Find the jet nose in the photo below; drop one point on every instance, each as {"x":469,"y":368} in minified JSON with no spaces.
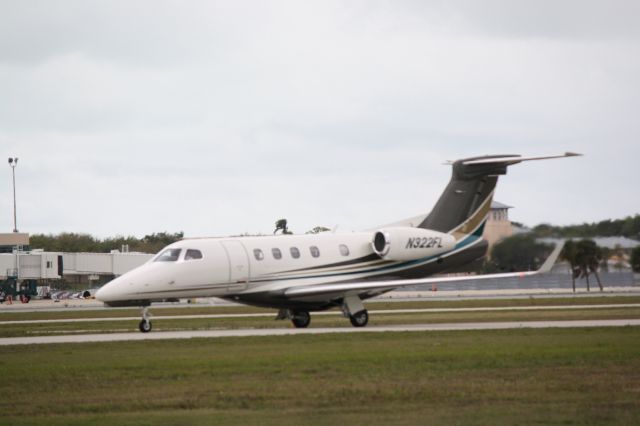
{"x":107,"y":292}
{"x":102,"y":293}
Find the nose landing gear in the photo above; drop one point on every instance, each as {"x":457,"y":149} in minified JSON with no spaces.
{"x":145,"y":324}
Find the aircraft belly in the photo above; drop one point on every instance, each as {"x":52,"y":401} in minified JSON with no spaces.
{"x":183,"y":293}
{"x":268,"y":300}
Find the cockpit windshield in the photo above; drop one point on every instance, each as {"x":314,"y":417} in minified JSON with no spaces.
{"x":169,"y":255}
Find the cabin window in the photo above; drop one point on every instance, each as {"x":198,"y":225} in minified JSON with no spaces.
{"x":258,"y":254}
{"x":277,"y":254}
{"x":192,"y":254}
{"x":169,"y":255}
{"x":344,"y":250}
{"x":295,"y":253}
{"x":315,"y":251}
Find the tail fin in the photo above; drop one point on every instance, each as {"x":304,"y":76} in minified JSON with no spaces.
{"x":464,"y":205}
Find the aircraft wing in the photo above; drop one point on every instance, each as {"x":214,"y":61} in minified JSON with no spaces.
{"x":342,"y":289}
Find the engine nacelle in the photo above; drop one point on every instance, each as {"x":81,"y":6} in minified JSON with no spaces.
{"x":406,"y":243}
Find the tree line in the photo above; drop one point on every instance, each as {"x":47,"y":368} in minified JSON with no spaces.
{"x":516,"y":253}
{"x":77,"y":242}
{"x":628,"y":227}
{"x":525,"y":253}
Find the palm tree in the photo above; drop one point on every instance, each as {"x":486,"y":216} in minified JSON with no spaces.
{"x":569,"y":253}
{"x":583,"y":257}
{"x":589,"y":256}
{"x":635,"y":259}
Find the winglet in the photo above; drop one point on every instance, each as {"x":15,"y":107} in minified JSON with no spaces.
{"x":551,"y":260}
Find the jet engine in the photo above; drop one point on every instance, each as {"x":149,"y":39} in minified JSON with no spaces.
{"x":406,"y":243}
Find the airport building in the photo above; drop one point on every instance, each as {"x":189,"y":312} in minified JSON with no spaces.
{"x":498,"y":226}
{"x":10,"y":240}
{"x":32,"y":272}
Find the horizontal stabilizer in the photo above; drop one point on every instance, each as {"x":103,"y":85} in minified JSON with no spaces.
{"x":465,"y":203}
{"x":509,"y":160}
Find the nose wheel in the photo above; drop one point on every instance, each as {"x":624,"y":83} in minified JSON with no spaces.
{"x":145,"y":324}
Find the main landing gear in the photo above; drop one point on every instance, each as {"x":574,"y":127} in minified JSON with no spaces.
{"x":145,"y":324}
{"x":299,"y":319}
{"x":359,"y":319}
{"x":353,"y":308}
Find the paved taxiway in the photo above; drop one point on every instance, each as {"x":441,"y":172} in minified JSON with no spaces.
{"x":115,"y":337}
{"x":371,"y":311}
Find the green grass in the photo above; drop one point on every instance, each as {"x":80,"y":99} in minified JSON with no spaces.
{"x":552,"y":376}
{"x":18,"y":330}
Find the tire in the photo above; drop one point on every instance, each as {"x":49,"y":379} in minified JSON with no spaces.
{"x":145,"y":326}
{"x":301,"y":319}
{"x":360,"y":319}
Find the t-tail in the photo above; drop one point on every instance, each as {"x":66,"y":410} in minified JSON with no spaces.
{"x":464,"y":206}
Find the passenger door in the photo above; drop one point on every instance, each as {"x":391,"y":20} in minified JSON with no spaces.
{"x":239,"y":273}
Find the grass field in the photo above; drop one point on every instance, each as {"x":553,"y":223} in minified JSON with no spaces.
{"x":20,"y":330}
{"x":553,"y":376}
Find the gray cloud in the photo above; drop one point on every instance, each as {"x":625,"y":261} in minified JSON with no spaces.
{"x":219,"y":117}
{"x":543,"y":19}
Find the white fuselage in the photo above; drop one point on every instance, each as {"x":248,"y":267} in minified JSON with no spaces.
{"x":221,"y":267}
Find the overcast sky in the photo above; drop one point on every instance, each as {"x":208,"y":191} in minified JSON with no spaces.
{"x":219,"y":117}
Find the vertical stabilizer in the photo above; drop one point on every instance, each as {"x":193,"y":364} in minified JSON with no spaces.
{"x":464,"y":205}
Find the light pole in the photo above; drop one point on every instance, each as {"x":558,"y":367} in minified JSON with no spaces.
{"x":13,"y":162}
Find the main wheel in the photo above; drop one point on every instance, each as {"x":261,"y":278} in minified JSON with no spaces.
{"x":360,"y":319}
{"x":145,"y":326}
{"x":301,"y":319}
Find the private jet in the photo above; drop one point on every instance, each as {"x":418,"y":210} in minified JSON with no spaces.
{"x":298,"y":274}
